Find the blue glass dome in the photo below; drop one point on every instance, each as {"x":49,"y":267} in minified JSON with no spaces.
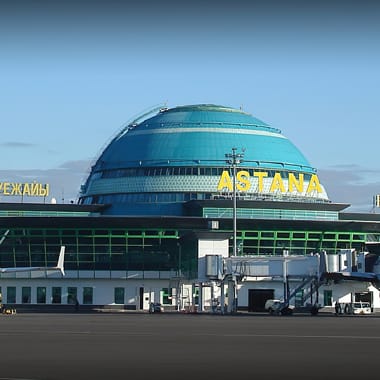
{"x":153,"y":166}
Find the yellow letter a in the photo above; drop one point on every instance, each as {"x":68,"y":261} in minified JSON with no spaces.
{"x":225,"y":181}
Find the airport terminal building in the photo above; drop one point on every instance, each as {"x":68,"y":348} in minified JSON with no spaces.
{"x":192,"y":206}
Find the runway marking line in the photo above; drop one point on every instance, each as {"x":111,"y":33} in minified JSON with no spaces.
{"x":147,"y":334}
{"x":293,"y":336}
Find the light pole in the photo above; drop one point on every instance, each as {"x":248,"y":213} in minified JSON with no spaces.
{"x":234,"y":159}
{"x":179,"y":289}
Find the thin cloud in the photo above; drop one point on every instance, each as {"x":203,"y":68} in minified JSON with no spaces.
{"x":17,"y":144}
{"x":351,"y":184}
{"x":76,"y":166}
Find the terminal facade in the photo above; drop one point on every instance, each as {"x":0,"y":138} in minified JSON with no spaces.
{"x":198,"y":207}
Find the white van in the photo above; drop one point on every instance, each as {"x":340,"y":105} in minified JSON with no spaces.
{"x":361,"y":308}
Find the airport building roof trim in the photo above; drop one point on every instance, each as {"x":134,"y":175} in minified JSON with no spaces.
{"x":187,"y":222}
{"x":268,"y":205}
{"x":13,"y":209}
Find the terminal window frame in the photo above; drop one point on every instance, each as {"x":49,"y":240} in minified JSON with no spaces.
{"x":11,"y":294}
{"x":119,"y":295}
{"x":72,"y":295}
{"x":88,"y":295}
{"x":26,"y":294}
{"x":41,"y":294}
{"x":56,"y":295}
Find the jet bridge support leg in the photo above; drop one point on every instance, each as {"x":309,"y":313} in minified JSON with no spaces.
{"x":222,"y":297}
{"x":200,"y":298}
{"x":231,"y":306}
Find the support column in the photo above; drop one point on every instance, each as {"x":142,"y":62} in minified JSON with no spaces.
{"x":222,"y":297}
{"x":200,"y":297}
{"x":231,"y":296}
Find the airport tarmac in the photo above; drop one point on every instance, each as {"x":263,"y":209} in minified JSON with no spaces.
{"x":184,"y":346}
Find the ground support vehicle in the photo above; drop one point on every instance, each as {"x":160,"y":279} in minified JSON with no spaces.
{"x":155,"y":307}
{"x":278,"y":307}
{"x":356,"y":308}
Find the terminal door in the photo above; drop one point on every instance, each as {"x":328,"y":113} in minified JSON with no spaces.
{"x":258,"y":297}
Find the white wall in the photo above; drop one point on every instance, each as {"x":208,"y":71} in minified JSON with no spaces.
{"x":103,"y":290}
{"x":209,"y":247}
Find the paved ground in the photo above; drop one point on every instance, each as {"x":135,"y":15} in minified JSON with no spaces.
{"x":172,"y":346}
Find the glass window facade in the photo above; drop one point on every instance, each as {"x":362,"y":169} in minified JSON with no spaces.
{"x":186,"y":171}
{"x":92,"y":249}
{"x":249,"y":213}
{"x":297,"y":242}
{"x":156,"y":249}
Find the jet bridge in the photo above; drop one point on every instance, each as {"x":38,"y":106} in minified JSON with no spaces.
{"x":301,"y":276}
{"x":298,"y":274}
{"x":272,"y":266}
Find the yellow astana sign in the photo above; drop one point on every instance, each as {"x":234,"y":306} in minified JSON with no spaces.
{"x":277,"y":183}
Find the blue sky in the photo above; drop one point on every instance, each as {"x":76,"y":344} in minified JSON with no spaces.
{"x":72,"y":73}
